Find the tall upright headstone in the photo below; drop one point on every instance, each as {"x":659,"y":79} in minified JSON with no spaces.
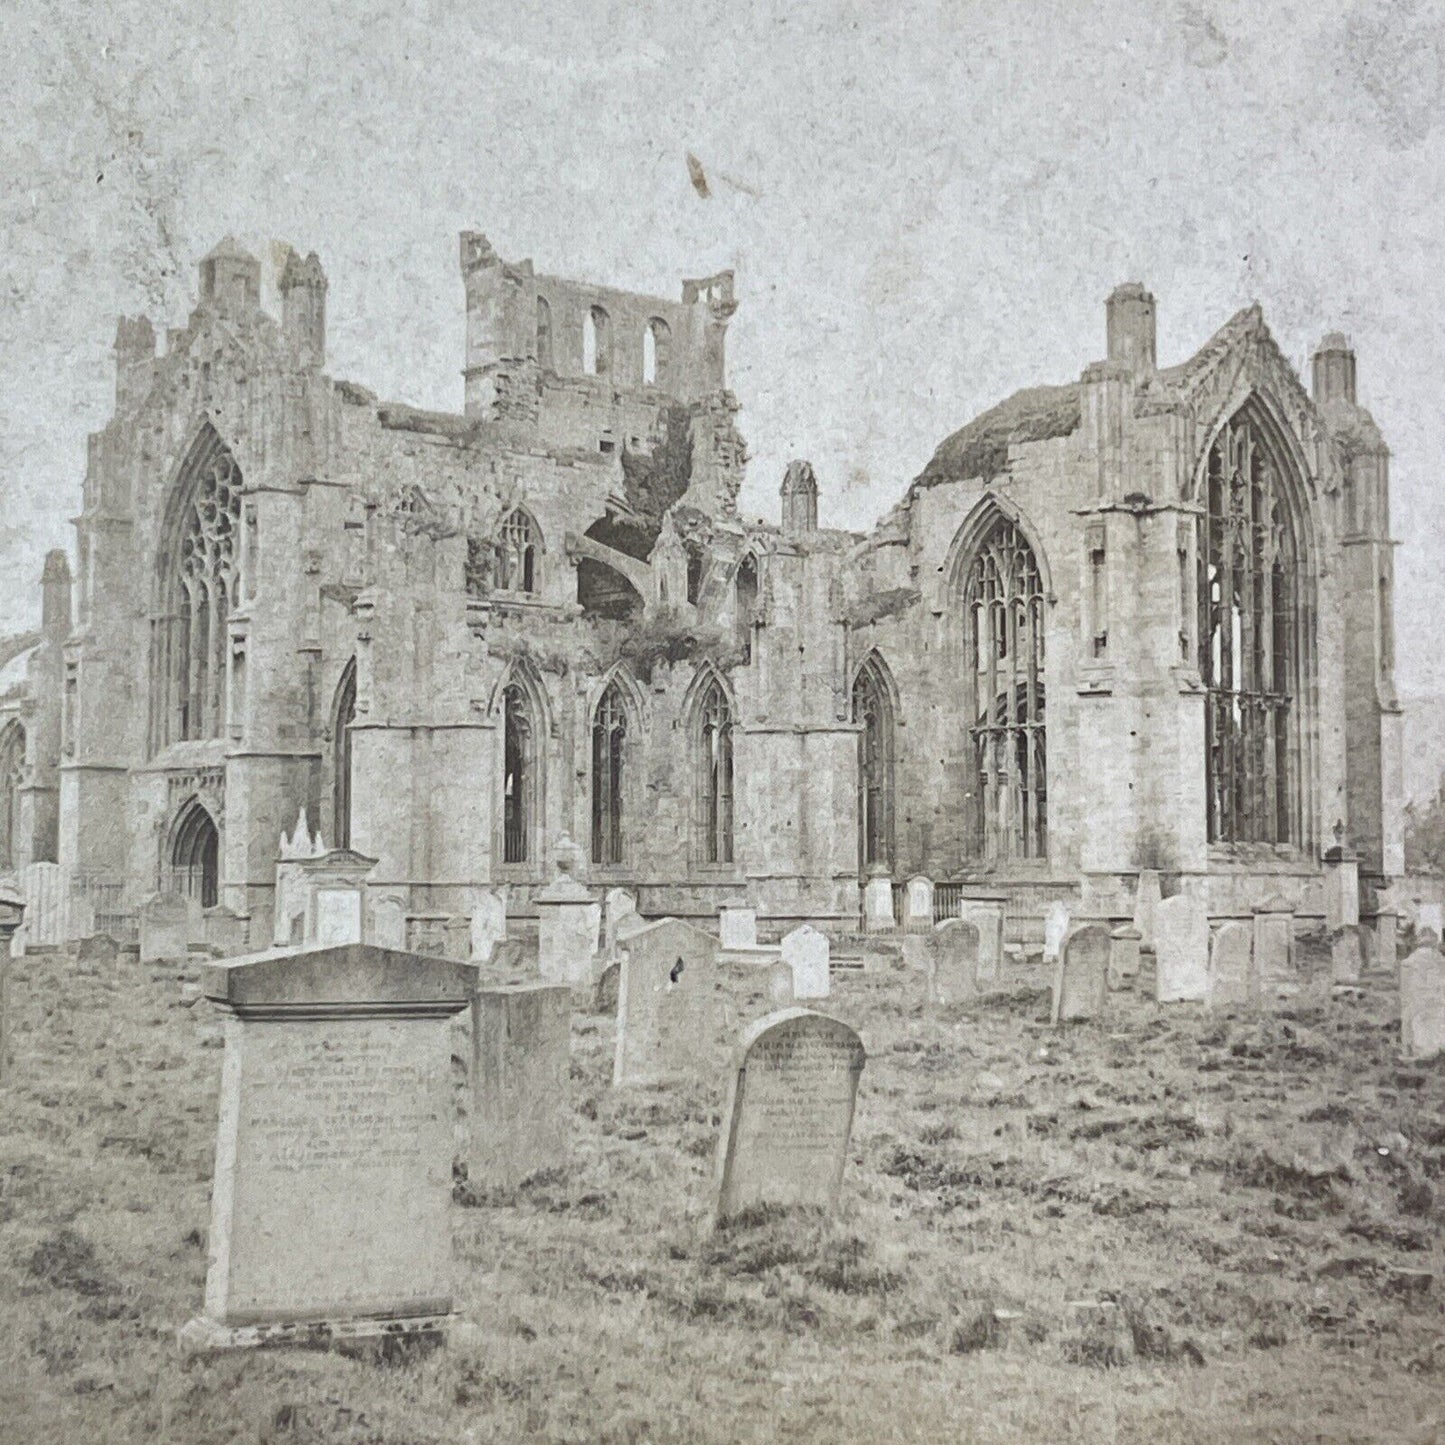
{"x":805,"y":951}
{"x":520,"y":1082}
{"x":43,"y":887}
{"x":1124,"y":945}
{"x":953,"y":962}
{"x":789,"y":1113}
{"x":1147,"y":897}
{"x":1274,"y":963}
{"x":878,"y":904}
{"x":332,"y":1191}
{"x":737,"y":928}
{"x":489,"y":922}
{"x":1231,"y":966}
{"x":918,"y":904}
{"x":1342,"y":888}
{"x":1181,"y":950}
{"x":670,"y":1009}
{"x":986,"y":913}
{"x":165,"y":927}
{"x":1347,"y":953}
{"x":1081,"y":980}
{"x":1056,"y":929}
{"x":568,"y":919}
{"x":1422,"y":1004}
{"x":1385,"y":955}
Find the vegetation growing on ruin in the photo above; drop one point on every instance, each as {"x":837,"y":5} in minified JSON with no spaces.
{"x":878,"y":606}
{"x":654,"y":480}
{"x":980,"y":449}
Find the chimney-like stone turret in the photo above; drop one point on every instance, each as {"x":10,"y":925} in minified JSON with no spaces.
{"x":303,"y":308}
{"x":800,"y":500}
{"x":55,"y":594}
{"x":1334,"y":371}
{"x":231,"y":278}
{"x":135,"y":355}
{"x":1130,"y":312}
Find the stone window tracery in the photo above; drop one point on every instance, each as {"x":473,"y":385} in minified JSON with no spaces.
{"x":519,"y":550}
{"x":519,"y":779}
{"x":195,"y":856}
{"x":715,"y":774}
{"x":872,"y":707}
{"x":343,"y":715}
{"x":609,"y":747}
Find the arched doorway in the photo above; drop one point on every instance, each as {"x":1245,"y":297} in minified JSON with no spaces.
{"x":196,"y":856}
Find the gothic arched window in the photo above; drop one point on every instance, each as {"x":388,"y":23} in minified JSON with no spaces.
{"x":544,"y":334}
{"x":1003,"y":599}
{"x":519,"y":777}
{"x":196,"y":856}
{"x":596,"y":342}
{"x":1249,"y":639}
{"x":745,"y":604}
{"x":656,"y":353}
{"x":873,"y":708}
{"x":343,"y":715}
{"x":715,"y":774}
{"x":197,"y":569}
{"x":609,"y":748}
{"x":518,"y":552}
{"x":12,"y":772}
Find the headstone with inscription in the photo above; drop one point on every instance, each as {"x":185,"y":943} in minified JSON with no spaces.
{"x":805,"y":951}
{"x":737,"y":928}
{"x":568,"y":920}
{"x":878,"y":904}
{"x":1231,"y":966}
{"x":333,"y":883}
{"x":1181,"y":950}
{"x":388,"y":922}
{"x":43,"y":887}
{"x":1422,"y":1004}
{"x":671,"y":1013}
{"x":1385,"y":954}
{"x":1056,"y":929}
{"x":789,"y":1113}
{"x":520,"y":1072}
{"x":987,"y":915}
{"x":1081,"y":981}
{"x":1274,"y":965}
{"x":918,"y":904}
{"x":953,"y":962}
{"x":165,"y":920}
{"x":332,"y":1189}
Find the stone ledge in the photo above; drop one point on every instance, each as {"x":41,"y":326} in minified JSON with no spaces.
{"x":201,"y":1336}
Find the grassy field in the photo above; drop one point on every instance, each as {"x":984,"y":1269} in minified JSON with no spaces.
{"x":1256,"y":1201}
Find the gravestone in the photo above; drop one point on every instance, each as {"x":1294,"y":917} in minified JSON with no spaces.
{"x":1147,"y":898}
{"x":1429,"y":919}
{"x":737,"y":928}
{"x":388,"y":922}
{"x":604,"y":996}
{"x":224,"y":930}
{"x":1056,"y":929}
{"x":805,"y":951}
{"x":789,"y":1114}
{"x":332,"y":1190}
{"x":780,"y":986}
{"x":12,"y":913}
{"x":918,"y":904}
{"x":1081,"y":980}
{"x":1124,"y":944}
{"x":165,"y":927}
{"x":878,"y":905}
{"x":338,"y":916}
{"x":617,"y":904}
{"x":1341,"y":889}
{"x":1347,"y":953}
{"x":1422,"y":1004}
{"x":568,"y":918}
{"x":986,"y":914}
{"x":1231,"y":966}
{"x":41,"y":885}
{"x":520,"y":1081}
{"x":1181,"y":950}
{"x":670,"y":1011}
{"x":333,"y":884}
{"x":1274,"y":968}
{"x":953,"y":962}
{"x":1386,"y":951}
{"x":100,"y":950}
{"x":489,"y":922}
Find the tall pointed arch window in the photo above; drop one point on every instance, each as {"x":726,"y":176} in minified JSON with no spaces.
{"x":715,"y":773}
{"x":873,"y":710}
{"x":12,"y":773}
{"x":745,"y":604}
{"x":197,"y":585}
{"x":1250,"y":639}
{"x":1003,"y":599}
{"x":519,"y":551}
{"x":343,"y":715}
{"x":544,"y":334}
{"x":656,"y":353}
{"x":609,"y":755}
{"x":519,"y":778}
{"x":596,"y":342}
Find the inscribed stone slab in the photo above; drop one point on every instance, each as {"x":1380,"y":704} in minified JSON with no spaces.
{"x":670,"y":1010}
{"x":338,"y":916}
{"x":878,"y":904}
{"x":1347,"y":953}
{"x":738,"y":927}
{"x":1181,"y":950}
{"x":1124,"y":945}
{"x":1081,"y":982}
{"x":986,"y":914}
{"x":918,"y":903}
{"x":953,"y":962}
{"x":164,"y":927}
{"x":780,"y":986}
{"x":805,"y":951}
{"x":789,"y":1113}
{"x":1422,"y":1004}
{"x":1231,"y":966}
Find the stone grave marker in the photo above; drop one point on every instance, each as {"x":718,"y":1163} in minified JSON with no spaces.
{"x":1231,"y":966}
{"x":789,"y":1113}
{"x":568,"y":919}
{"x":805,"y":951}
{"x":1429,"y":918}
{"x":1385,"y":954}
{"x":100,"y":950}
{"x":1081,"y":980}
{"x":604,"y":996}
{"x":986,"y":914}
{"x":737,"y":928}
{"x":225,"y":931}
{"x":878,"y":905}
{"x":953,"y":962}
{"x":1124,"y":944}
{"x":1056,"y":929}
{"x":388,"y":922}
{"x":670,"y":1010}
{"x":918,"y":904}
{"x":1147,"y":897}
{"x":617,"y":904}
{"x":1347,"y":953}
{"x":1274,"y":947}
{"x":165,"y":927}
{"x":12,"y":913}
{"x":780,"y":986}
{"x":520,"y":1083}
{"x":42,"y":886}
{"x":1422,"y":1004}
{"x":332,"y":1190}
{"x":489,"y":922}
{"x":1181,"y":950}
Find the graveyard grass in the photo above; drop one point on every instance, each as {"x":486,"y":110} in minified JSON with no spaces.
{"x":1260,"y":1198}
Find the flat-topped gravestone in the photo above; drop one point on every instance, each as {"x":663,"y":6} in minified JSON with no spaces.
{"x":986,"y":914}
{"x":1231,"y":966}
{"x":737,"y":928}
{"x":1056,"y":929}
{"x":1341,"y":889}
{"x":1081,"y":980}
{"x":489,"y":922}
{"x":1124,"y":945}
{"x":1422,"y":1004}
{"x":918,"y":904}
{"x":1274,"y":969}
{"x":805,"y":951}
{"x":568,"y":920}
{"x":165,"y":927}
{"x":789,"y":1113}
{"x":1147,"y":897}
{"x":1347,"y":953}
{"x":953,"y":962}
{"x":329,"y":1207}
{"x":1181,"y":950}
{"x":670,"y":1010}
{"x":520,"y":1082}
{"x":99,"y":950}
{"x":333,"y":885}
{"x":878,"y":905}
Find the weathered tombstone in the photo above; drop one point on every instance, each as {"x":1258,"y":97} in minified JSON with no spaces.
{"x":42,"y":886}
{"x":331,"y":1198}
{"x":1274,"y":946}
{"x":805,"y":951}
{"x":1081,"y":980}
{"x":617,"y":904}
{"x":388,"y":922}
{"x":878,"y":904}
{"x":1422,"y":1004}
{"x":670,"y":1017}
{"x":953,"y":962}
{"x":1181,"y":950}
{"x":780,"y":986}
{"x":1347,"y":953}
{"x":1231,"y":966}
{"x":1056,"y":929}
{"x":737,"y":928}
{"x":568,"y":918}
{"x":986,"y":914}
{"x":1124,"y":944}
{"x":100,"y":950}
{"x":12,"y":912}
{"x":1386,"y":950}
{"x":604,"y":996}
{"x":521,"y":1067}
{"x":1429,"y":916}
{"x":789,"y":1113}
{"x":489,"y":922}
{"x":164,"y":927}
{"x":1147,"y":897}
{"x":918,"y":904}
{"x":1342,"y":888}
{"x":334,"y":883}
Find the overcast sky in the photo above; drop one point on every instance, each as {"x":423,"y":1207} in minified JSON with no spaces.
{"x":925,"y":204}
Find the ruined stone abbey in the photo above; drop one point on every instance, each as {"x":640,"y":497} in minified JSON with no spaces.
{"x":1137,"y":621}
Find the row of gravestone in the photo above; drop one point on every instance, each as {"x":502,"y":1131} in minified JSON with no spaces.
{"x":334,"y":1146}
